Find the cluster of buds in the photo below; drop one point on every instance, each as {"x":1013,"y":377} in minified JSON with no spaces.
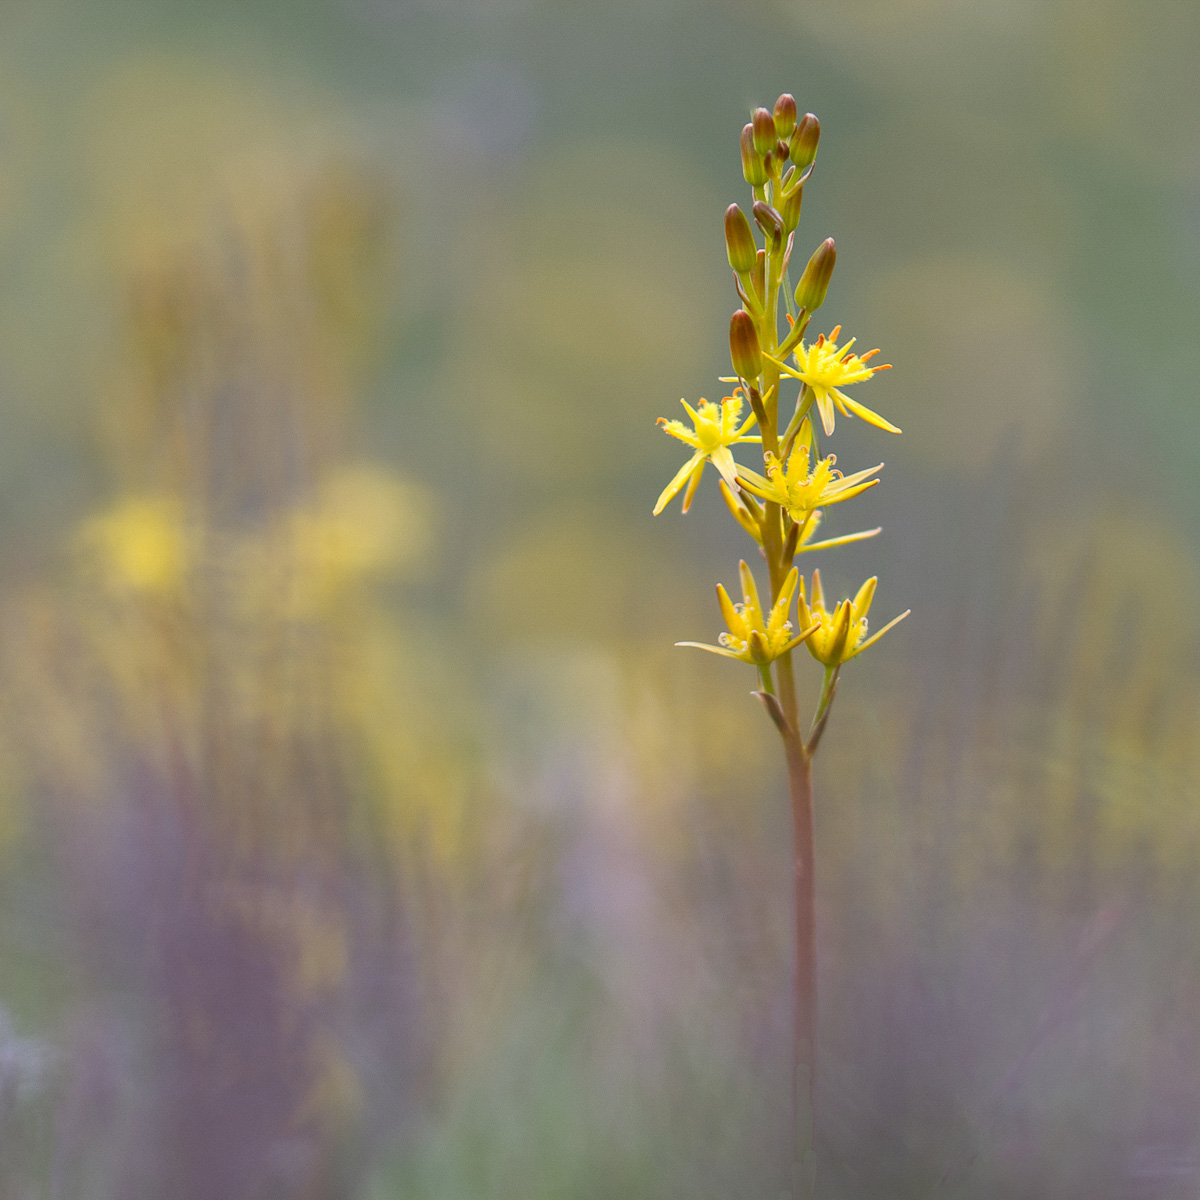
{"x":781,"y":505}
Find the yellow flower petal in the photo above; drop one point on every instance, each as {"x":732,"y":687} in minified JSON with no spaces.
{"x":681,"y":477}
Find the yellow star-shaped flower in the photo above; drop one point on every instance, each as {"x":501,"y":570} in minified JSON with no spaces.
{"x":715,"y":427}
{"x":751,"y":522}
{"x":752,"y":638}
{"x":799,"y":490}
{"x":827,"y":368}
{"x":840,"y":635}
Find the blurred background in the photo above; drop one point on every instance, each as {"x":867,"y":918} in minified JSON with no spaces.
{"x":362,"y":834}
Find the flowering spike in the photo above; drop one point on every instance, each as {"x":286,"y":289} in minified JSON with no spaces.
{"x":781,"y":509}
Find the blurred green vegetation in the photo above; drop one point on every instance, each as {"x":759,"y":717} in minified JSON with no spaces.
{"x":362,"y":834}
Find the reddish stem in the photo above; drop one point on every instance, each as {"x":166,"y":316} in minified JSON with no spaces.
{"x":804,"y":1043}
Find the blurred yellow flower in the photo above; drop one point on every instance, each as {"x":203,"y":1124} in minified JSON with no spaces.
{"x":365,"y":522}
{"x":838,"y":636}
{"x":799,"y":490}
{"x":827,"y":368}
{"x":715,"y":429}
{"x":140,"y":543}
{"x":751,"y":638}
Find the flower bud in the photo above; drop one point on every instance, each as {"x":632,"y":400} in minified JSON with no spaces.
{"x":843,"y":618}
{"x":769,"y":221}
{"x":743,"y":346}
{"x":789,"y":210}
{"x":763,"y":125}
{"x":803,"y":144}
{"x":814,"y":283}
{"x":785,"y":115}
{"x":739,"y":240}
{"x":759,"y":650}
{"x":753,"y":167}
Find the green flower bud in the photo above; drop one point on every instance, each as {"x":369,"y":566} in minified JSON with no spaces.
{"x":753,"y":167}
{"x":785,"y":115}
{"x":769,"y":221}
{"x":803,"y":144}
{"x":743,"y":346}
{"x":789,"y":210}
{"x":739,"y":240}
{"x":765,"y":137}
{"x":814,"y":283}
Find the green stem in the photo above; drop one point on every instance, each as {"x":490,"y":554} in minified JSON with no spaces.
{"x":803,"y":405}
{"x":821,"y":716}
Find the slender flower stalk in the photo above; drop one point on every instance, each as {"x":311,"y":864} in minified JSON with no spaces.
{"x":780,"y":506}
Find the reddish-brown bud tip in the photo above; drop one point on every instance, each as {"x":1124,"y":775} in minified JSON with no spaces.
{"x":765,"y":137}
{"x":803,"y":143}
{"x":814,"y":283}
{"x":754,"y":167}
{"x":769,"y":221}
{"x":744,"y":348}
{"x":785,"y":115}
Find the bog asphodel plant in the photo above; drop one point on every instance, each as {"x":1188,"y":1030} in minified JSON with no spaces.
{"x":781,"y":505}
